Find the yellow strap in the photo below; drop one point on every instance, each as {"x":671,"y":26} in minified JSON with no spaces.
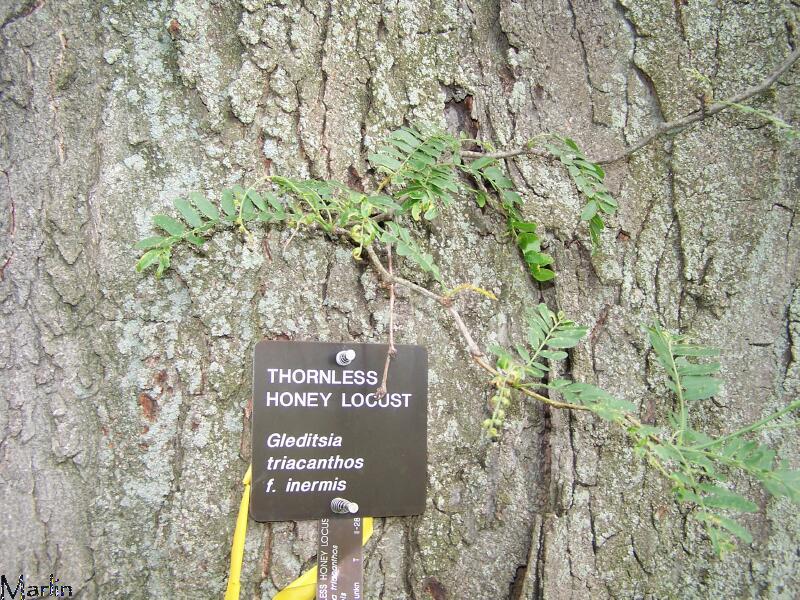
{"x":237,"y":550}
{"x":302,"y":588}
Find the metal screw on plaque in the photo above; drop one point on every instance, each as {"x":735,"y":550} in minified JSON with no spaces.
{"x":342,"y":507}
{"x":345,"y":357}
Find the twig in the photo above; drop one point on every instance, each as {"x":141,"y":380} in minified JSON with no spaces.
{"x":291,"y":237}
{"x":391,"y":351}
{"x":472,"y":347}
{"x":664,"y":128}
{"x":710,"y":110}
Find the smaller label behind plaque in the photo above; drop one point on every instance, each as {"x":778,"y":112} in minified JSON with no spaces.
{"x":340,"y":568}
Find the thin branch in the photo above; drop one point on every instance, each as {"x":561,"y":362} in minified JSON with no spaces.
{"x":664,"y":128}
{"x":391,"y":351}
{"x":291,"y":237}
{"x":713,"y":109}
{"x":472,"y":347}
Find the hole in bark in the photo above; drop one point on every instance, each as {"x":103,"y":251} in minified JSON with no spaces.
{"x":458,"y":113}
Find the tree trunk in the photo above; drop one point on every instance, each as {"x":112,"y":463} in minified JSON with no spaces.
{"x":124,"y":406}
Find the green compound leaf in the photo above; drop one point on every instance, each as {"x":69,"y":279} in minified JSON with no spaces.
{"x":530,"y":245}
{"x":547,"y":329}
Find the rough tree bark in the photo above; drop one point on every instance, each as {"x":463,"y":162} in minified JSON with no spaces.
{"x":124,"y":404}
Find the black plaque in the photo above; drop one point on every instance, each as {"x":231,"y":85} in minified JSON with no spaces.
{"x":319,"y":431}
{"x":340,"y":566}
